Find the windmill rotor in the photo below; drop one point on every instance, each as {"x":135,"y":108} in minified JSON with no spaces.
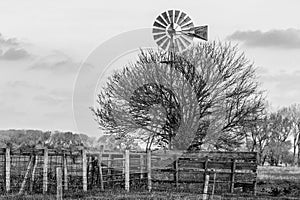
{"x":173,"y":30}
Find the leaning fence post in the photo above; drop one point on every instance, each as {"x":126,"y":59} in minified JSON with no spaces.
{"x":149,"y":170}
{"x":59,"y":190}
{"x":7,"y":169}
{"x":45,"y":171}
{"x":127,"y":170}
{"x":232,"y":175}
{"x":35,"y":161}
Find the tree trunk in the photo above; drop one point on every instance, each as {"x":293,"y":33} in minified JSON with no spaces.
{"x":295,"y":158}
{"x":170,"y":143}
{"x":26,"y":176}
{"x":264,"y":160}
{"x":298,"y":154}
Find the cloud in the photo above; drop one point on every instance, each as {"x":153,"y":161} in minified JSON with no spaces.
{"x":14,"y":54}
{"x":8,"y":42}
{"x":12,"y":49}
{"x":51,"y":100}
{"x":23,"y":84}
{"x":288,"y":38}
{"x":57,"y":62}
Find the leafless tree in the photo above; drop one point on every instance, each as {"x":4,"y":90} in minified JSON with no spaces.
{"x":269,"y":136}
{"x":293,"y":113}
{"x":202,"y":97}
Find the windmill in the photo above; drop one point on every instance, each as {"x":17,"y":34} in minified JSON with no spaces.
{"x":174,"y":31}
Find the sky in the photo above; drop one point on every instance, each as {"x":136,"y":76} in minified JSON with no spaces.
{"x":44,"y":43}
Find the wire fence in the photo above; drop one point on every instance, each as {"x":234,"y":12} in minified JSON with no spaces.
{"x":35,"y":171}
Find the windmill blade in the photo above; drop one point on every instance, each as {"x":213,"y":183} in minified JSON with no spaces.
{"x":181,"y":18}
{"x":183,"y":45}
{"x":188,"y":26}
{"x":159,"y":42}
{"x":162,"y":21}
{"x":177,"y":12}
{"x":186,"y":20}
{"x":165,"y":44}
{"x":180,"y":44}
{"x":165,"y":16}
{"x":187,"y":40}
{"x":158,"y":36}
{"x":158,"y":25}
{"x":155,"y":30}
{"x":171,"y":16}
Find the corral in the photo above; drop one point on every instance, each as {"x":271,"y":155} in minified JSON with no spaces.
{"x":34,"y":171}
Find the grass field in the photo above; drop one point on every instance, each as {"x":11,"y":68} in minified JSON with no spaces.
{"x":279,"y":181}
{"x":278,"y":173}
{"x":273,"y":183}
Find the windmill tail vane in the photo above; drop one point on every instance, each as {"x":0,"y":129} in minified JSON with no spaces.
{"x":200,"y":32}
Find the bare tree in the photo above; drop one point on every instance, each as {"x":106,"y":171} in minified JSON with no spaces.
{"x":269,"y":136}
{"x":202,"y":97}
{"x":293,"y":113}
{"x":258,"y":137}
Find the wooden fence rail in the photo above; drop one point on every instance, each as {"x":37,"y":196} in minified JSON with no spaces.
{"x":87,"y":169}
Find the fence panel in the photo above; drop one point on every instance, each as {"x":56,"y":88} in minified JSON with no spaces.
{"x":35,"y":170}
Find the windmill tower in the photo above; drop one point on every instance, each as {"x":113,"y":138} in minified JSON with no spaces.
{"x":173,"y":31}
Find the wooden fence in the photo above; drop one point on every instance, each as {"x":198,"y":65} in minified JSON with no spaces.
{"x":35,"y":171}
{"x":224,"y":171}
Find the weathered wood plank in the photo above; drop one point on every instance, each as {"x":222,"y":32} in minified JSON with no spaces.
{"x":216,"y":164}
{"x":45,"y":171}
{"x":127,"y":170}
{"x":7,"y":169}
{"x":59,"y":189}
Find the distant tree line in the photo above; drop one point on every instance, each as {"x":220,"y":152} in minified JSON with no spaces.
{"x":276,"y":136}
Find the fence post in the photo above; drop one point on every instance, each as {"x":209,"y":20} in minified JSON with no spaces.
{"x":205,"y":188}
{"x":255,"y":171}
{"x":149,"y":170}
{"x":176,"y":170}
{"x":109,"y":161}
{"x":127,"y":170}
{"x":232,"y":175}
{"x":100,"y":169}
{"x":35,"y":161}
{"x":45,"y":171}
{"x":7,"y":169}
{"x":65,"y":171}
{"x":141,"y":166}
{"x":84,"y":172}
{"x":59,"y":183}
{"x":214,"y":183}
